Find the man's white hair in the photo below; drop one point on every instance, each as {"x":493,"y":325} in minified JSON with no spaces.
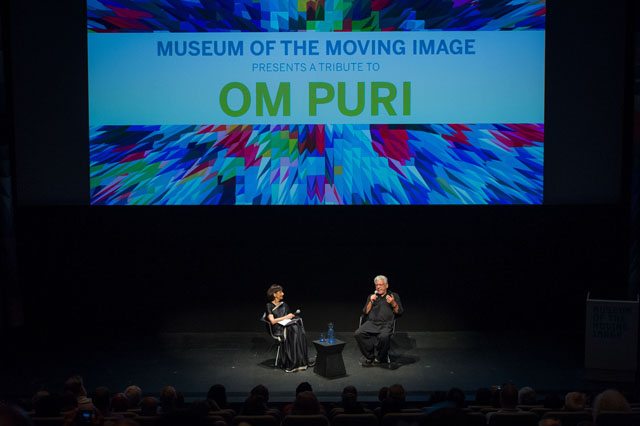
{"x":381,"y":278}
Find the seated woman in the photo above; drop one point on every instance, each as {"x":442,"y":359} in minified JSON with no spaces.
{"x":294,"y":348}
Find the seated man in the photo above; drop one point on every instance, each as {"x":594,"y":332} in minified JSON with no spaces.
{"x":373,"y":336}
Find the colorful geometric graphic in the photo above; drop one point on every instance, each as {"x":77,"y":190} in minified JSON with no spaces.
{"x":314,"y":15}
{"x":317,"y":164}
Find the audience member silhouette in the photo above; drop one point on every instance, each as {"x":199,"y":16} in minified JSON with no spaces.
{"x":527,"y":396}
{"x":306,"y":403}
{"x":217,"y":397}
{"x":575,"y":401}
{"x":102,"y":400}
{"x":383,"y":393}
{"x":133,"y":394}
{"x":395,"y":401}
{"x":75,"y":386}
{"x":168,"y":399}
{"x":149,"y":406}
{"x":508,"y":400}
{"x":302,"y":387}
{"x":349,"y":401}
{"x":13,"y":416}
{"x":119,"y":403}
{"x":609,"y":400}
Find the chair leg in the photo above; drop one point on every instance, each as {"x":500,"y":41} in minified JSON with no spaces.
{"x":277,"y":356}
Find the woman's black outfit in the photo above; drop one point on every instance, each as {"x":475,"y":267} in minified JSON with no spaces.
{"x":294,"y":347}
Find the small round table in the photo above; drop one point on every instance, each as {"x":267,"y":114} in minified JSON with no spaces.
{"x":329,"y":362}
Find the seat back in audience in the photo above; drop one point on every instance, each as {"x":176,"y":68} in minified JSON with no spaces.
{"x":48,"y":421}
{"x":213,"y":420}
{"x":618,"y":418}
{"x":121,"y":414}
{"x":305,"y":420}
{"x":265,"y":420}
{"x":540,"y":411}
{"x":227,"y":415}
{"x":404,"y":419}
{"x":368,"y":419}
{"x":568,"y":418}
{"x":447,"y":416}
{"x":146,"y":420}
{"x":476,"y":419}
{"x":528,"y":407}
{"x":523,"y":418}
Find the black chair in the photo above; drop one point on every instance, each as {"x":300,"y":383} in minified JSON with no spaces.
{"x":405,"y":419}
{"x":215,"y":421}
{"x":146,"y":420}
{"x":618,"y":418}
{"x":568,"y":418}
{"x":521,"y":418}
{"x":476,"y":419}
{"x":305,"y":420}
{"x":276,"y":340}
{"x":541,"y":411}
{"x":367,"y":419}
{"x":265,"y":420}
{"x":363,"y":318}
{"x":48,"y":421}
{"x":448,"y":416}
{"x":227,"y":415}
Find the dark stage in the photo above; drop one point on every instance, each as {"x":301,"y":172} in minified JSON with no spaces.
{"x":192,"y":362}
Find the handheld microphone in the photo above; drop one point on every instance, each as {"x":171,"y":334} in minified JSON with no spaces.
{"x":297,"y":312}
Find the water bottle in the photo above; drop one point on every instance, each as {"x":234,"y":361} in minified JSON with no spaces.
{"x":331,"y":337}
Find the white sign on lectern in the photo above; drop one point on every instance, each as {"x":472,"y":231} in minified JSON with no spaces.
{"x":611,"y":339}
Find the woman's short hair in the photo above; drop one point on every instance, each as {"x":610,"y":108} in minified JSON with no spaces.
{"x":272,"y":291}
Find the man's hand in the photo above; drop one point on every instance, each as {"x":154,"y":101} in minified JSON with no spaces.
{"x":390,"y":299}
{"x":374,"y":297}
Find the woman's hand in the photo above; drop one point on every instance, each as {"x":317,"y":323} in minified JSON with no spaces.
{"x":289,"y":316}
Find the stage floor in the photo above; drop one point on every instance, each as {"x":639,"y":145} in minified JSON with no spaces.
{"x":192,"y":362}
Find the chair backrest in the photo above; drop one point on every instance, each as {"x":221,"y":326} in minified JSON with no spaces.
{"x":146,"y":420}
{"x":265,"y":420}
{"x":476,"y":419}
{"x":215,"y":420}
{"x":568,"y":418}
{"x":368,"y":419}
{"x":523,"y":418}
{"x":268,"y":326}
{"x":448,"y":416}
{"x":404,"y":419}
{"x":540,"y":411}
{"x":618,"y":418}
{"x":305,"y":420}
{"x":48,"y":421}
{"x":227,"y":415}
{"x":119,"y":414}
